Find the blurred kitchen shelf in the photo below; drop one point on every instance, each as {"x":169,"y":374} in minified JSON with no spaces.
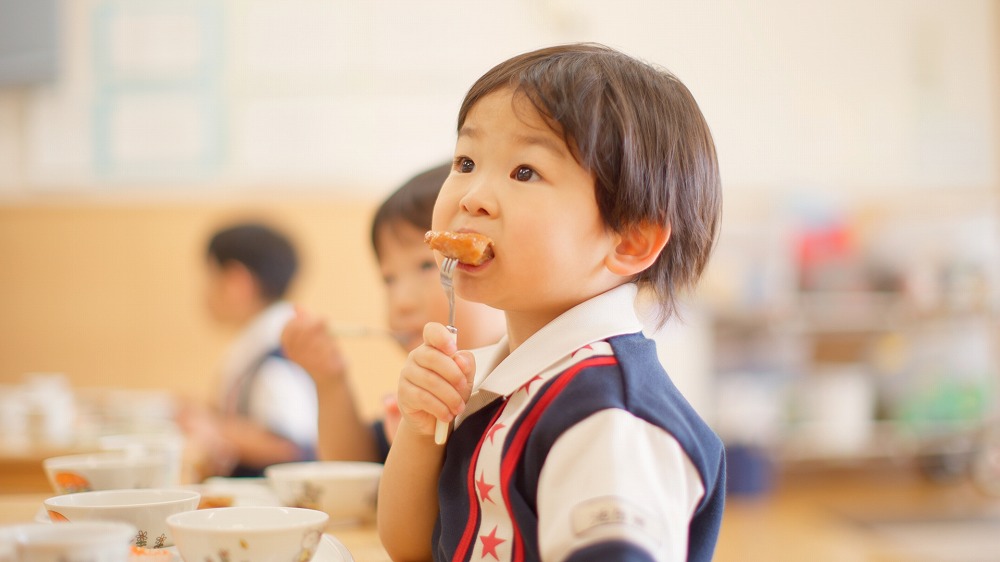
{"x":946,"y":452}
{"x":819,"y":312}
{"x":888,"y":441}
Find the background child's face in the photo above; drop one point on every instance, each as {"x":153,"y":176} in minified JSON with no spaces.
{"x":230,"y":292}
{"x":415,"y":296}
{"x":412,"y":285}
{"x":516,"y":181}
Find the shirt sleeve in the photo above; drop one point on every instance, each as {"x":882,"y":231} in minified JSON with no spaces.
{"x":614,"y":483}
{"x":283,"y":398}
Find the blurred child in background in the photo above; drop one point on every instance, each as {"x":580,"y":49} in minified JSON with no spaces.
{"x":415,"y":297}
{"x":266,"y":407}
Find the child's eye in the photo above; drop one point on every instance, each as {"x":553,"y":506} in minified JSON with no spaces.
{"x":464,"y":165}
{"x":388,"y":280}
{"x":428,"y":265}
{"x":524,"y":173}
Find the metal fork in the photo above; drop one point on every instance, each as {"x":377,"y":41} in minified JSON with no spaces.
{"x":447,"y":273}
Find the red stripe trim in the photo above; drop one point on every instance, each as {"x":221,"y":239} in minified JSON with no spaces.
{"x":512,"y":457}
{"x":468,"y":535}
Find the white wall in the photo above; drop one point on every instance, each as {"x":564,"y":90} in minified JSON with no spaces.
{"x":224,"y":97}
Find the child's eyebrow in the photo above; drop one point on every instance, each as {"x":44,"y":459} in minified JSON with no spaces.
{"x":549,"y":143}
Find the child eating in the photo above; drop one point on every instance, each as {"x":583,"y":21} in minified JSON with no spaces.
{"x":593,"y":174}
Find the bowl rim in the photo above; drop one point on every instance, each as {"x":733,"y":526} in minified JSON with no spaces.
{"x":302,"y":468}
{"x":182,"y":520}
{"x":103,"y":460}
{"x":69,"y":500}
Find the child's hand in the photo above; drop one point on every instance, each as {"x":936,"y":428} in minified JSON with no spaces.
{"x":436,"y":380}
{"x":391,"y":416}
{"x":209,"y":450}
{"x":307,"y":341}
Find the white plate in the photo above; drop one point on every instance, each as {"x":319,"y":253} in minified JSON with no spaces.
{"x":332,"y":550}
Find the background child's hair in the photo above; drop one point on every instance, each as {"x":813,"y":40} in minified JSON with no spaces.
{"x":640,"y":133}
{"x":265,"y":252}
{"x":412,"y":202}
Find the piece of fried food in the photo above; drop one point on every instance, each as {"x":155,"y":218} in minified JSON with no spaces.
{"x":466,"y":247}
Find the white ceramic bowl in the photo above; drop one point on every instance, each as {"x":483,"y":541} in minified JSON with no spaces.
{"x":111,"y":470}
{"x":168,"y":443}
{"x":345,"y":490}
{"x":253,"y":533}
{"x":146,"y":509}
{"x":88,"y":541}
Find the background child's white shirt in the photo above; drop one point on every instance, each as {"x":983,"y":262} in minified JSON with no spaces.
{"x":283,"y":399}
{"x":282,"y":396}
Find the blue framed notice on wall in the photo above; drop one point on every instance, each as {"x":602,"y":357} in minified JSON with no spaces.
{"x":158,"y":103}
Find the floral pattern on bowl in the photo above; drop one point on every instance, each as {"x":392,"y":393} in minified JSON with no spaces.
{"x":71,"y":482}
{"x":310,"y":542}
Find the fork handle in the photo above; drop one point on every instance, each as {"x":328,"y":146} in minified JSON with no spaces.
{"x":441,"y":432}
{"x":440,"y":427}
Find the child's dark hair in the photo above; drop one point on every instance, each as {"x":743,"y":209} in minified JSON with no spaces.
{"x":412,"y":202}
{"x":265,"y":252}
{"x":639,"y":131}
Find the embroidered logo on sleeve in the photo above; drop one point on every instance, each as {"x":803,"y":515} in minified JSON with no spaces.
{"x":611,"y":510}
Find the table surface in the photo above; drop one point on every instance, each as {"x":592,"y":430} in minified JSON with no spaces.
{"x":816,"y":516}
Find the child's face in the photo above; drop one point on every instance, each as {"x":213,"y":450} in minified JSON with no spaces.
{"x":229,"y":292}
{"x":516,"y":181}
{"x":412,"y":285}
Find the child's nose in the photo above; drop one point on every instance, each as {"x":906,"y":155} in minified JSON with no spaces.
{"x":479,"y":199}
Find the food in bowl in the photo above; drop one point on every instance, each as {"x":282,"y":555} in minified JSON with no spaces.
{"x":143,"y":554}
{"x":345,"y":490}
{"x":258,"y":533}
{"x":146,"y":509}
{"x":466,"y":247}
{"x":234,"y":492}
{"x":110,"y":470}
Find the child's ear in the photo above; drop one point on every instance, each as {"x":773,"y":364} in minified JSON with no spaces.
{"x":637,"y":248}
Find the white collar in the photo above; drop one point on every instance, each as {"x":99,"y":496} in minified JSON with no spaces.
{"x":606,"y":315}
{"x":261,"y":335}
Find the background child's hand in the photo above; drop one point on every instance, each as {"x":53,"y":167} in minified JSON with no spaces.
{"x":392,"y":416}
{"x":435,"y":382}
{"x":307,"y":340}
{"x":210,"y":452}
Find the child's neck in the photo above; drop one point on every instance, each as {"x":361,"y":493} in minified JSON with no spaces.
{"x":523,"y":325}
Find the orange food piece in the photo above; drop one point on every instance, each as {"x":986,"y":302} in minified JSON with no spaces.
{"x":207,"y":502}
{"x":467,"y":247}
{"x":151,"y":554}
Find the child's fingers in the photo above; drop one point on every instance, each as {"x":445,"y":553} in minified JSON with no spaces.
{"x":439,"y":375}
{"x":466,"y":362}
{"x":415,"y":399}
{"x":439,"y":337}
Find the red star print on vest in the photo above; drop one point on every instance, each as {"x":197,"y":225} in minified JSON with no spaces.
{"x":484,"y":489}
{"x":490,"y":543}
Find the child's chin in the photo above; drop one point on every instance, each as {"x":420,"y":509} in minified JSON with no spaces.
{"x":408,"y":341}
